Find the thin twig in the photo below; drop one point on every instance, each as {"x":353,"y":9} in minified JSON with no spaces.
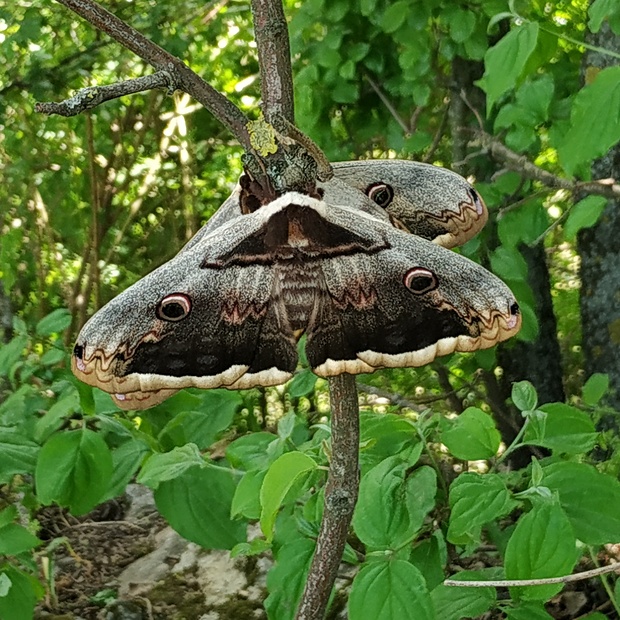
{"x":396,"y":399}
{"x":183,"y":78}
{"x":509,"y":583}
{"x":521,"y":164}
{"x":340,"y":498}
{"x":388,"y":104}
{"x":91,"y":97}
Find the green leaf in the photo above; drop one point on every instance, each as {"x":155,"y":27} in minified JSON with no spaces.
{"x":472,"y":435}
{"x":454,"y":603}
{"x":394,"y":16}
{"x":595,"y":388}
{"x":302,"y":384}
{"x":462,"y":24}
{"x":542,"y":545}
{"x":246,"y":501}
{"x":508,"y":264}
{"x":383,"y":435}
{"x":600,"y":10}
{"x":280,"y":477}
{"x":475,"y":500}
{"x":256,"y":546}
{"x":197,"y":505}
{"x":21,"y":598}
{"x":524,"y":396}
{"x":287,"y":579}
{"x":11,"y":353}
{"x":56,"y":415}
{"x":535,"y":96}
{"x":53,"y":356}
{"x":590,"y":499}
{"x":389,"y":591}
{"x":595,"y":121}
{"x":54,"y":323}
{"x":527,"y":611}
{"x":583,"y":214}
{"x":18,"y":454}
{"x":567,"y":430}
{"x":523,"y":225}
{"x":126,"y":460}
{"x":367,"y":7}
{"x":74,"y":470}
{"x":505,"y":61}
{"x":199,"y":427}
{"x":15,"y":539}
{"x":5,"y":585}
{"x":169,"y":465}
{"x":8,"y":515}
{"x":429,"y":556}
{"x":251,"y":451}
{"x":386,"y":515}
{"x":421,"y":489}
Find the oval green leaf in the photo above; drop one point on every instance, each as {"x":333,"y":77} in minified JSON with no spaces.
{"x":280,"y":477}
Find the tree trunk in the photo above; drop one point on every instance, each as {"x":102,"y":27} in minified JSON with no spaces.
{"x":6,"y":316}
{"x":599,"y":248}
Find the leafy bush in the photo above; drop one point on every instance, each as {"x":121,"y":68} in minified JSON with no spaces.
{"x":65,"y":443}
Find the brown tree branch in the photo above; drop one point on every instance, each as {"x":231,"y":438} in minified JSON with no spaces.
{"x":521,"y":164}
{"x":91,"y":97}
{"x":396,"y":399}
{"x":182,"y":77}
{"x":274,"y":59}
{"x":272,"y":40}
{"x":340,"y":498}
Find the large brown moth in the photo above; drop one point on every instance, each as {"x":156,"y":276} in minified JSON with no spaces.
{"x":228,"y":310}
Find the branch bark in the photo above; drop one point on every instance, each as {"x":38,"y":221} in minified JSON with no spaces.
{"x":183,"y":78}
{"x":272,"y":40}
{"x":91,"y":97}
{"x":509,"y":583}
{"x":340,"y":498}
{"x":274,"y":59}
{"x":609,"y":188}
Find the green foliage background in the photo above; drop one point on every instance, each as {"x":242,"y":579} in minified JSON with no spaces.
{"x":90,"y":204}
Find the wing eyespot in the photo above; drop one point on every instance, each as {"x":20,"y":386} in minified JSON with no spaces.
{"x":420,"y":280}
{"x":381,"y":193}
{"x":174,"y":308}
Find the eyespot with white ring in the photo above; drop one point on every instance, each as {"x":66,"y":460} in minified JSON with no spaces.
{"x":174,"y":307}
{"x":420,"y":280}
{"x":381,"y":193}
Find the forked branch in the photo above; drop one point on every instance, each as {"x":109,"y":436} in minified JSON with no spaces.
{"x":181,"y":76}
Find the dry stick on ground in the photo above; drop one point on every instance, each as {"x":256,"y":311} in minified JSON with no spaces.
{"x":274,"y":60}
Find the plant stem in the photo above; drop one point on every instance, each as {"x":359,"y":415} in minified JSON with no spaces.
{"x":515,"y":443}
{"x":340,"y":498}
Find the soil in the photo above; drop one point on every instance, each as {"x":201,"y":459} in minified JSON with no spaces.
{"x":100,"y":545}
